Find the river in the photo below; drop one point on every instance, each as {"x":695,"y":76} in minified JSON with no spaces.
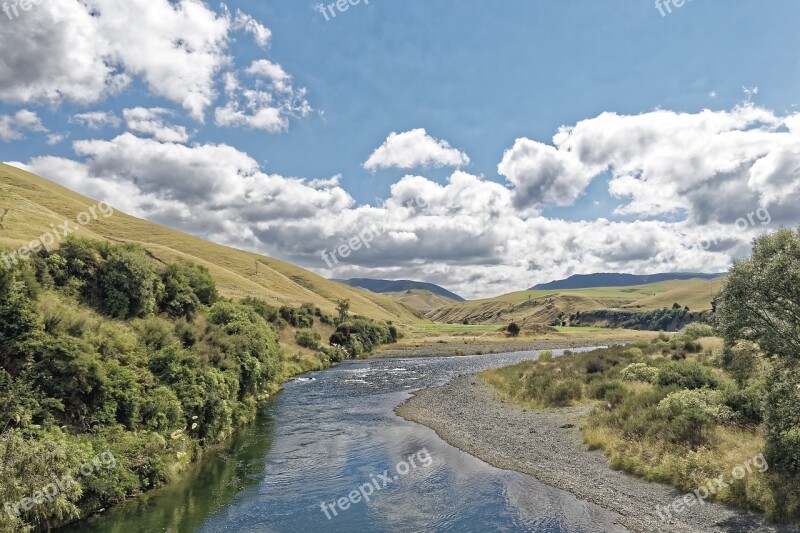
{"x":329,"y":433}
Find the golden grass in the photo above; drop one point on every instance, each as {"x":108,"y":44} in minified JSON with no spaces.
{"x":35,"y":203}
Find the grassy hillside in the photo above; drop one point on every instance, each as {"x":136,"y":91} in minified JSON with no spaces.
{"x":35,"y":203}
{"x":543,"y":307}
{"x":421,"y":300}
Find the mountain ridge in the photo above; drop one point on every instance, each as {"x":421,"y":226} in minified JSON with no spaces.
{"x":385,"y":285}
{"x":614,"y":279}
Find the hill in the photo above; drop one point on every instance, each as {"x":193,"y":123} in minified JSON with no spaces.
{"x":557,"y":306}
{"x":586,"y":281}
{"x":35,"y":203}
{"x":384,"y":286}
{"x":421,"y":300}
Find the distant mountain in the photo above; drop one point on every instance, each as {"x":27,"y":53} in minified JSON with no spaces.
{"x":385,"y":285}
{"x":588,"y":281}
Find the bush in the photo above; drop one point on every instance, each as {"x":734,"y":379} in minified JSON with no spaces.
{"x":693,"y":415}
{"x":359,"y":335}
{"x":633,"y":353}
{"x":741,"y":360}
{"x":640,"y":372}
{"x":127,"y":282}
{"x":696,"y":330}
{"x":612,"y":392}
{"x":783,"y":418}
{"x":563,"y":393}
{"x":308,"y":338}
{"x":687,"y":375}
{"x":546,"y":356}
{"x":513,"y":329}
{"x":746,"y":403}
{"x":595,"y":366}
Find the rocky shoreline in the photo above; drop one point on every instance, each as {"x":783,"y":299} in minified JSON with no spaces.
{"x":547,"y":445}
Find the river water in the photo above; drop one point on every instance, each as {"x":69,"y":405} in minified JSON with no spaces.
{"x":331,"y":432}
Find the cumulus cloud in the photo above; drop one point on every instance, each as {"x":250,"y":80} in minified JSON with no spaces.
{"x":471,"y":234}
{"x":414,"y":149}
{"x":82,"y":51}
{"x":151,"y":122}
{"x":543,"y":175}
{"x":261,"y":34}
{"x":709,"y":166}
{"x":13,"y":127}
{"x":267,"y":105}
{"x":97,"y":119}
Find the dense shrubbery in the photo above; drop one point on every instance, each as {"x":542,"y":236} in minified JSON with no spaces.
{"x":101,"y":351}
{"x":657,"y":320}
{"x":659,"y":403}
{"x":359,"y":335}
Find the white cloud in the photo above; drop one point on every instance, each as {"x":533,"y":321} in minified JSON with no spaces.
{"x":272,"y":72}
{"x":413,"y":149}
{"x":151,"y":122}
{"x":55,"y":138}
{"x":13,"y":127}
{"x":473,"y":235}
{"x":97,"y":119}
{"x":543,"y":175}
{"x":83,"y":51}
{"x":261,"y":34}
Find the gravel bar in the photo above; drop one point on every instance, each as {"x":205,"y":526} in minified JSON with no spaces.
{"x":547,"y":445}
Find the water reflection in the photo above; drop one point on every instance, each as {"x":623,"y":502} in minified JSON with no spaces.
{"x":330,"y":435}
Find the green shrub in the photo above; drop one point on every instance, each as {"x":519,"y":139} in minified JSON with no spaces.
{"x":359,"y":335}
{"x":127,"y":282}
{"x":697,"y":330}
{"x":308,"y":338}
{"x":611,"y":392}
{"x":640,"y":372}
{"x":563,"y":393}
{"x":746,"y":403}
{"x":633,"y":353}
{"x":595,"y":366}
{"x":783,"y":418}
{"x":741,"y":360}
{"x":687,"y":375}
{"x":693,"y":415}
{"x":546,"y":356}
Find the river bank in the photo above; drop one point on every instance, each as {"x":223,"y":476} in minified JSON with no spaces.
{"x":462,"y":348}
{"x":547,"y":445}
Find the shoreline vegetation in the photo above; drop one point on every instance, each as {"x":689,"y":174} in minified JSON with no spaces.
{"x":105,"y":353}
{"x":689,"y":410}
{"x":547,"y":444}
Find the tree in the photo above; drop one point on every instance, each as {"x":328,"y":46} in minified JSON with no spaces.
{"x":343,"y":307}
{"x":760,"y":302}
{"x":127,"y":282}
{"x":513,"y":329}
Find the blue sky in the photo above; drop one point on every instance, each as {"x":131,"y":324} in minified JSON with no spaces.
{"x":477,"y":75}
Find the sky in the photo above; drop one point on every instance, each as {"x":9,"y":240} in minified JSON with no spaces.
{"x":482,"y":146}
